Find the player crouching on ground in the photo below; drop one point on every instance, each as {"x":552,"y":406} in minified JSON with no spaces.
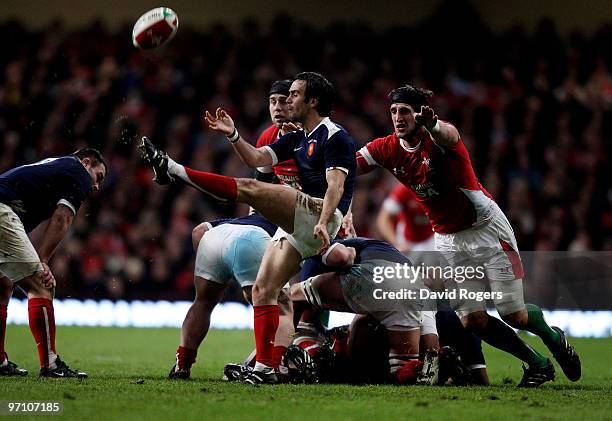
{"x":355,"y":289}
{"x":227,"y":249}
{"x":46,"y":194}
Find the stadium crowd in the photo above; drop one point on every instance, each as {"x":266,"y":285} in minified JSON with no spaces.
{"x":533,"y":108}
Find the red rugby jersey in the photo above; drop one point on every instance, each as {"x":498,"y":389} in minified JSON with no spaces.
{"x":286,"y":171}
{"x":442,"y":179}
{"x":412,"y":222}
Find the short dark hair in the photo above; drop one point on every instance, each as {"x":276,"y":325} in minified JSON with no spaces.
{"x":317,"y":86}
{"x":280,"y":87}
{"x":407,"y":94}
{"x":93,"y":154}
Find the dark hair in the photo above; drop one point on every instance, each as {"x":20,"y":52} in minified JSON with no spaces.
{"x":317,"y":86}
{"x":407,"y":94}
{"x":92,"y":153}
{"x":280,"y":87}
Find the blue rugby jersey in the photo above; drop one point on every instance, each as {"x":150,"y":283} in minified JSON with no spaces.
{"x":34,"y":191}
{"x":327,"y":147}
{"x":255,"y":220}
{"x":366,"y":249}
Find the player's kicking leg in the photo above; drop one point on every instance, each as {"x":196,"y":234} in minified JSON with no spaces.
{"x":7,"y":368}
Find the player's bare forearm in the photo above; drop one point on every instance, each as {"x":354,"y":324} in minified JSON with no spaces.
{"x":252,"y":156}
{"x":333,"y":194}
{"x":58,"y":226}
{"x":384,"y":223}
{"x":443,"y":133}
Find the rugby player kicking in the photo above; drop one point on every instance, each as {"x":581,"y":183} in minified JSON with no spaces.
{"x":233,"y":248}
{"x":428,"y":155}
{"x":325,"y":156}
{"x":40,"y":198}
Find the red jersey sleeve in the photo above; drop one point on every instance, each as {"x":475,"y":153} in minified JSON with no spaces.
{"x":371,"y":155}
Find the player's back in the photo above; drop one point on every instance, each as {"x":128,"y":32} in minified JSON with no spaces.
{"x":33,"y":191}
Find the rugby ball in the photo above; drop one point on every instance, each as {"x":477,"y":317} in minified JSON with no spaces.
{"x":155,"y":28}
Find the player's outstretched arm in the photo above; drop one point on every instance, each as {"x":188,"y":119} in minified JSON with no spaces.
{"x":222,"y":122}
{"x":444,"y":134}
{"x":333,"y":194}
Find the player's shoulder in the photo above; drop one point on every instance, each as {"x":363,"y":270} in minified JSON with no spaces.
{"x":269,"y":135}
{"x":328,"y":130}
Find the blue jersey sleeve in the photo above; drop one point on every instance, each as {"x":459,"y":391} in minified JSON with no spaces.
{"x":340,"y":153}
{"x":282,"y":149}
{"x":217,"y":222}
{"x":313,"y":267}
{"x":76,"y":187}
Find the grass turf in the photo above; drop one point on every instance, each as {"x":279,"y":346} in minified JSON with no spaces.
{"x":128,"y":369}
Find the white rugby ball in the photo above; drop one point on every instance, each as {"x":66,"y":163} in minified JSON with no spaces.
{"x":155,"y":28}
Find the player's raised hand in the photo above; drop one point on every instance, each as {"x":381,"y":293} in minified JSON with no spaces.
{"x":320,"y":232}
{"x":220,"y":122}
{"x":426,"y":117}
{"x":290,"y":127}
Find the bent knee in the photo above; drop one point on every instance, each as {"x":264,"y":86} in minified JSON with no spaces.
{"x":197,"y":233}
{"x":475,"y":321}
{"x":517,"y":319}
{"x":247,"y":186}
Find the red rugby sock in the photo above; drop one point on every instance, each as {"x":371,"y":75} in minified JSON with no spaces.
{"x":265,"y":324}
{"x":42,"y":325}
{"x":219,"y":186}
{"x":3,"y":316}
{"x":185,"y":357}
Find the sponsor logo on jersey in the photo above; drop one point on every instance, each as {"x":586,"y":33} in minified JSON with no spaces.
{"x":424,"y":190}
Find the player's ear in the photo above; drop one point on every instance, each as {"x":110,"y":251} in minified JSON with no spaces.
{"x":86,"y":162}
{"x":314,"y":102}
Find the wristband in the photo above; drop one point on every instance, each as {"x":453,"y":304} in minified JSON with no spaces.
{"x":234,"y":136}
{"x":436,"y":127}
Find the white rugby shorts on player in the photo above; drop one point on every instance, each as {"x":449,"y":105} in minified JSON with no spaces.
{"x":18,"y":258}
{"x":493,"y":246}
{"x":307,"y":213}
{"x":229,"y":252}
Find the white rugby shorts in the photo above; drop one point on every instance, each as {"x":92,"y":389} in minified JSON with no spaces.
{"x":493,"y":246}
{"x":18,"y":257}
{"x":307,"y":213}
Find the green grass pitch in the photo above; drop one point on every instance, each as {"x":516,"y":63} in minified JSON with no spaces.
{"x":128,"y":369}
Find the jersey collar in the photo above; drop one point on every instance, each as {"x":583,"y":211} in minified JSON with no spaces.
{"x":322,"y":122}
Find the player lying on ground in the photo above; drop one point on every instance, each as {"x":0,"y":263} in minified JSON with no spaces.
{"x":354,"y":290}
{"x":228,"y":249}
{"x":47,"y":195}
{"x":325,"y":156}
{"x":449,"y":325}
{"x":427,"y":155}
